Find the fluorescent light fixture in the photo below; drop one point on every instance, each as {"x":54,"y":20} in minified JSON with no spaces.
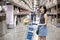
{"x":7,"y":2}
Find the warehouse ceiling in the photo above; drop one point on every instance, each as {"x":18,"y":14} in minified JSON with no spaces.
{"x":25,"y":4}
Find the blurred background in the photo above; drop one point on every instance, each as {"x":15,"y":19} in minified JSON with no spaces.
{"x":15,"y":16}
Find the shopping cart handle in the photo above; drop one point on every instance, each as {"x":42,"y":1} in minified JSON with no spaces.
{"x":34,"y":24}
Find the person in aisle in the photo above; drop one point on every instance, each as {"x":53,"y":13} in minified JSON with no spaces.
{"x":32,"y":16}
{"x":43,"y":23}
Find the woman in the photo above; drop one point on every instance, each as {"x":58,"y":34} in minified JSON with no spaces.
{"x":43,"y":24}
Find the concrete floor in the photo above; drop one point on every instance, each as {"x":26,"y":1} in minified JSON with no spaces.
{"x":19,"y":33}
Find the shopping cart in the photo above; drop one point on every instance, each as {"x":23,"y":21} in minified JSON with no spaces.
{"x":31,"y":33}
